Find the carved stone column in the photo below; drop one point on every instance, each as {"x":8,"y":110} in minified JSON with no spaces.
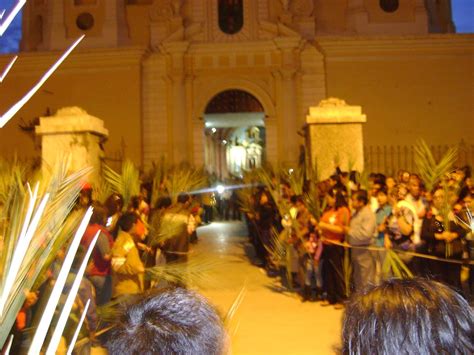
{"x":286,"y":93}
{"x":72,"y":131}
{"x":335,"y":130}
{"x":179,"y":122}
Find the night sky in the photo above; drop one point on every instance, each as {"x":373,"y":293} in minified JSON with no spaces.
{"x":463,"y":14}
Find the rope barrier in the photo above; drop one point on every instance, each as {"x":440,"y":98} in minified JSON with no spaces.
{"x":410,"y":253}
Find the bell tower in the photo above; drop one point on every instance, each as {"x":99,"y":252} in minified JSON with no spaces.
{"x":52,"y":25}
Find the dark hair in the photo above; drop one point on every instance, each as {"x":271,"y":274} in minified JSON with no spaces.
{"x":163,"y":202}
{"x":183,"y":197}
{"x":408,"y":316}
{"x":99,"y":215}
{"x":126,"y":221}
{"x":113,"y":204}
{"x":296,"y":198}
{"x":170,"y":321}
{"x":338,"y":194}
{"x":362,"y":196}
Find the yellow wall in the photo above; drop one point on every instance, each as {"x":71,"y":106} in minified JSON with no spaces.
{"x":408,"y":87}
{"x":104,"y":83}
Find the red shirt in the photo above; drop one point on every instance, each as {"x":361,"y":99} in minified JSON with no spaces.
{"x":339,"y":217}
{"x":100,"y":266}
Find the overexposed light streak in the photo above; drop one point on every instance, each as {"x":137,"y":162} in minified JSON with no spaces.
{"x":7,"y":69}
{"x":9,"y":345}
{"x":4,"y":25}
{"x":78,"y":329}
{"x":58,"y":331}
{"x":16,"y":107}
{"x":2,"y":13}
{"x":48,"y":312}
{"x":21,"y":248}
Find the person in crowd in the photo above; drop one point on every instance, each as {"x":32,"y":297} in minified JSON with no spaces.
{"x":128,"y":269}
{"x":176,"y":225}
{"x":169,"y":321}
{"x":313,"y":248}
{"x":114,"y":205}
{"x":408,"y":316}
{"x":265,"y":219}
{"x":99,"y":270}
{"x":332,"y":227}
{"x":208,"y":201}
{"x":414,"y":198}
{"x":381,"y":217}
{"x":360,"y":234}
{"x":443,"y":236}
{"x":400,"y":224}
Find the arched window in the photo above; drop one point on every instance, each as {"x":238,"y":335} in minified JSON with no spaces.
{"x":389,"y":5}
{"x":231,"y":15}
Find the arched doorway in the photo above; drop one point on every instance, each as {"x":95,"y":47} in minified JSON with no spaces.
{"x":234,"y":134}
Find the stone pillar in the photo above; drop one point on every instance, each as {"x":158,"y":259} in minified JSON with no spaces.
{"x":180,"y":139}
{"x":335,"y":134}
{"x":72,"y":132}
{"x":286,"y":92}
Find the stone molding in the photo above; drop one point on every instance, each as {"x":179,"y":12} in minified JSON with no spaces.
{"x":334,"y":110}
{"x":361,"y":46}
{"x":71,"y":120}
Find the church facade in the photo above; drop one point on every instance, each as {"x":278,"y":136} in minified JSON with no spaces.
{"x":150,"y":68}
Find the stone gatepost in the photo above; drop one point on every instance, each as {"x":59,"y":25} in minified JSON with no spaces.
{"x":72,"y":132}
{"x":335,"y":136}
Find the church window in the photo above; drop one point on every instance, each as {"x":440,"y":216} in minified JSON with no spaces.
{"x":231,"y":15}
{"x":389,"y":5}
{"x":85,"y":21}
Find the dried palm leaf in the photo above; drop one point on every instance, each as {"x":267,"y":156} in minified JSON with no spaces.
{"x":430,"y":171}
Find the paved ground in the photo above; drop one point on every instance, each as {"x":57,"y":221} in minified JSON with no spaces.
{"x":269,"y":321}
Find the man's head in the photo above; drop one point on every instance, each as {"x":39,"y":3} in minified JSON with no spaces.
{"x":127,"y":222}
{"x":410,"y":316}
{"x":170,"y":321}
{"x":414,"y":185}
{"x":359,"y":199}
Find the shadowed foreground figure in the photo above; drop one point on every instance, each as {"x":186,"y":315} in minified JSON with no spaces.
{"x":411,"y":316}
{"x":169,"y":321}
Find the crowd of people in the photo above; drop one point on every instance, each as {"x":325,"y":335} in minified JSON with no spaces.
{"x":431,"y":232}
{"x":309,"y":250}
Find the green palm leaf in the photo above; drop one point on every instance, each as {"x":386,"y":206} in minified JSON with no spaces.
{"x":430,"y":171}
{"x":127,"y":183}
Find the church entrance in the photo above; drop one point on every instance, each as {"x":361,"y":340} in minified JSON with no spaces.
{"x":234,"y":134}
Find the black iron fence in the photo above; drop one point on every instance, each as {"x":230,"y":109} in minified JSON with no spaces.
{"x":389,"y":159}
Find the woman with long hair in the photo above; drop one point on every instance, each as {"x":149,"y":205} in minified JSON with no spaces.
{"x":333,"y":221}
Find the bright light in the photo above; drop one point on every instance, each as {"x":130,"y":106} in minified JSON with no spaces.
{"x":7,"y":69}
{"x":290,"y":171}
{"x":11,"y":16}
{"x":213,"y":130}
{"x":15,"y":108}
{"x":224,"y":142}
{"x":220,"y":189}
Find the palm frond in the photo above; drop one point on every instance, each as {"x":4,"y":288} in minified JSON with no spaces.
{"x":127,"y":183}
{"x":58,"y":190}
{"x":393,"y":265}
{"x":194,"y":272}
{"x":184,"y":179}
{"x":430,"y":171}
{"x":231,"y":320}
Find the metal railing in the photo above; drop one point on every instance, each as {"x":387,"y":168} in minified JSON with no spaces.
{"x":389,"y":159}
